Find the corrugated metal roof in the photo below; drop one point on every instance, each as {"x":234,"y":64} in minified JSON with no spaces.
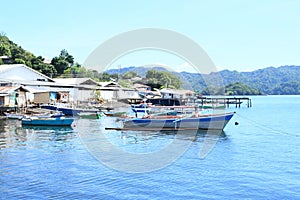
{"x":74,"y":81}
{"x":109,"y":84}
{"x":4,"y":68}
{"x":11,"y":89}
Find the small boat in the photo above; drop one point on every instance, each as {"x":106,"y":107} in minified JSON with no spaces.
{"x":48,"y":121}
{"x":90,"y":115}
{"x":208,"y":121}
{"x":213,"y":106}
{"x":140,"y":108}
{"x":20,"y":116}
{"x":114,"y":114}
{"x":70,"y":111}
{"x":14,"y":115}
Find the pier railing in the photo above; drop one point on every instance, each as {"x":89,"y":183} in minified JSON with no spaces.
{"x":227,"y":101}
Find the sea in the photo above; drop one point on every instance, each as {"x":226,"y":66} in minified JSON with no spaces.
{"x":257,"y":156}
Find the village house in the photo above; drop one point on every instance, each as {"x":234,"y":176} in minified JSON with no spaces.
{"x":21,"y":75}
{"x":141,"y":87}
{"x":40,"y":86}
{"x":13,"y":96}
{"x":182,"y":95}
{"x":51,"y":97}
{"x":43,"y":89}
{"x":87,"y":89}
{"x":146,"y":91}
{"x":113,"y":91}
{"x":83,"y":88}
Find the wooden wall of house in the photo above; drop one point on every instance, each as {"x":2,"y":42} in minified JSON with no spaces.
{"x":107,"y":94}
{"x":40,"y":98}
{"x":83,"y":95}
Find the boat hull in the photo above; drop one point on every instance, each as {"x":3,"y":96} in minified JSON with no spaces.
{"x":48,"y":121}
{"x":90,"y":115}
{"x":206,"y":122}
{"x":69,"y":111}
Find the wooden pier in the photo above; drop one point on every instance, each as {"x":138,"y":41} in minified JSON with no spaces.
{"x":227,"y":101}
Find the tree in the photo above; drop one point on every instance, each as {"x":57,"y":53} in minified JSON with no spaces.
{"x":231,"y":89}
{"x":160,"y":79}
{"x":4,"y":50}
{"x":19,"y":61}
{"x":63,"y":62}
{"x":130,"y":75}
{"x":60,"y":64}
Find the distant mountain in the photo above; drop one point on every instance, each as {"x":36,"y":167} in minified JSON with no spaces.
{"x":270,"y":80}
{"x":140,"y":70}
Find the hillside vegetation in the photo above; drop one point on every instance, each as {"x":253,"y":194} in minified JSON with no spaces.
{"x":63,"y":65}
{"x":284,"y":80}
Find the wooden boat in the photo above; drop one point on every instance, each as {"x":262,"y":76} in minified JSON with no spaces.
{"x":114,"y":114}
{"x":209,"y":121}
{"x":14,"y":115}
{"x":20,"y":116}
{"x":90,"y":115}
{"x":68,"y":110}
{"x":49,"y":121}
{"x":213,"y":106}
{"x":140,"y":108}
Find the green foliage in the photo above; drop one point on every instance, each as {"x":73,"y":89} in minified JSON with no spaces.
{"x":125,"y":83}
{"x":130,"y":74}
{"x":212,"y":90}
{"x":4,"y":50}
{"x":20,"y":56}
{"x":282,"y":80}
{"x":232,"y":89}
{"x":62,"y":62}
{"x":240,"y":89}
{"x":271,"y":80}
{"x":288,"y":88}
{"x":19,"y":61}
{"x":161,"y":79}
{"x":105,"y":77}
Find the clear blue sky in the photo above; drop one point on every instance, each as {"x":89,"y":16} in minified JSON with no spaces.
{"x":237,"y":35}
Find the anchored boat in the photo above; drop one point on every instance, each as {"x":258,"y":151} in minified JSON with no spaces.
{"x":48,"y":121}
{"x":209,"y":121}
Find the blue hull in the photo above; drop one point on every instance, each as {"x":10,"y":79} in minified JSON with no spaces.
{"x":68,"y":111}
{"x":204,"y":122}
{"x":48,"y":121}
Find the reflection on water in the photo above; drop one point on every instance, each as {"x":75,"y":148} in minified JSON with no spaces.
{"x":93,"y":134}
{"x":14,"y":135}
{"x":142,"y":151}
{"x":148,"y":141}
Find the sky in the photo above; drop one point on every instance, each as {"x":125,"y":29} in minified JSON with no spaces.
{"x":236,"y":35}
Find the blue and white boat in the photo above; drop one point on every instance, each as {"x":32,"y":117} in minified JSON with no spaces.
{"x":70,"y":111}
{"x":209,"y":121}
{"x":14,"y":115}
{"x":140,"y":108}
{"x":48,"y":121}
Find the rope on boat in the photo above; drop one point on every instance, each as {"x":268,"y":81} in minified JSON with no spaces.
{"x":265,"y":127}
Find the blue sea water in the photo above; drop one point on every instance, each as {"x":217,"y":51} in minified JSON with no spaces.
{"x":257,"y":159}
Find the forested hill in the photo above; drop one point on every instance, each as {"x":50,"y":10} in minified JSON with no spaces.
{"x":271,"y":80}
